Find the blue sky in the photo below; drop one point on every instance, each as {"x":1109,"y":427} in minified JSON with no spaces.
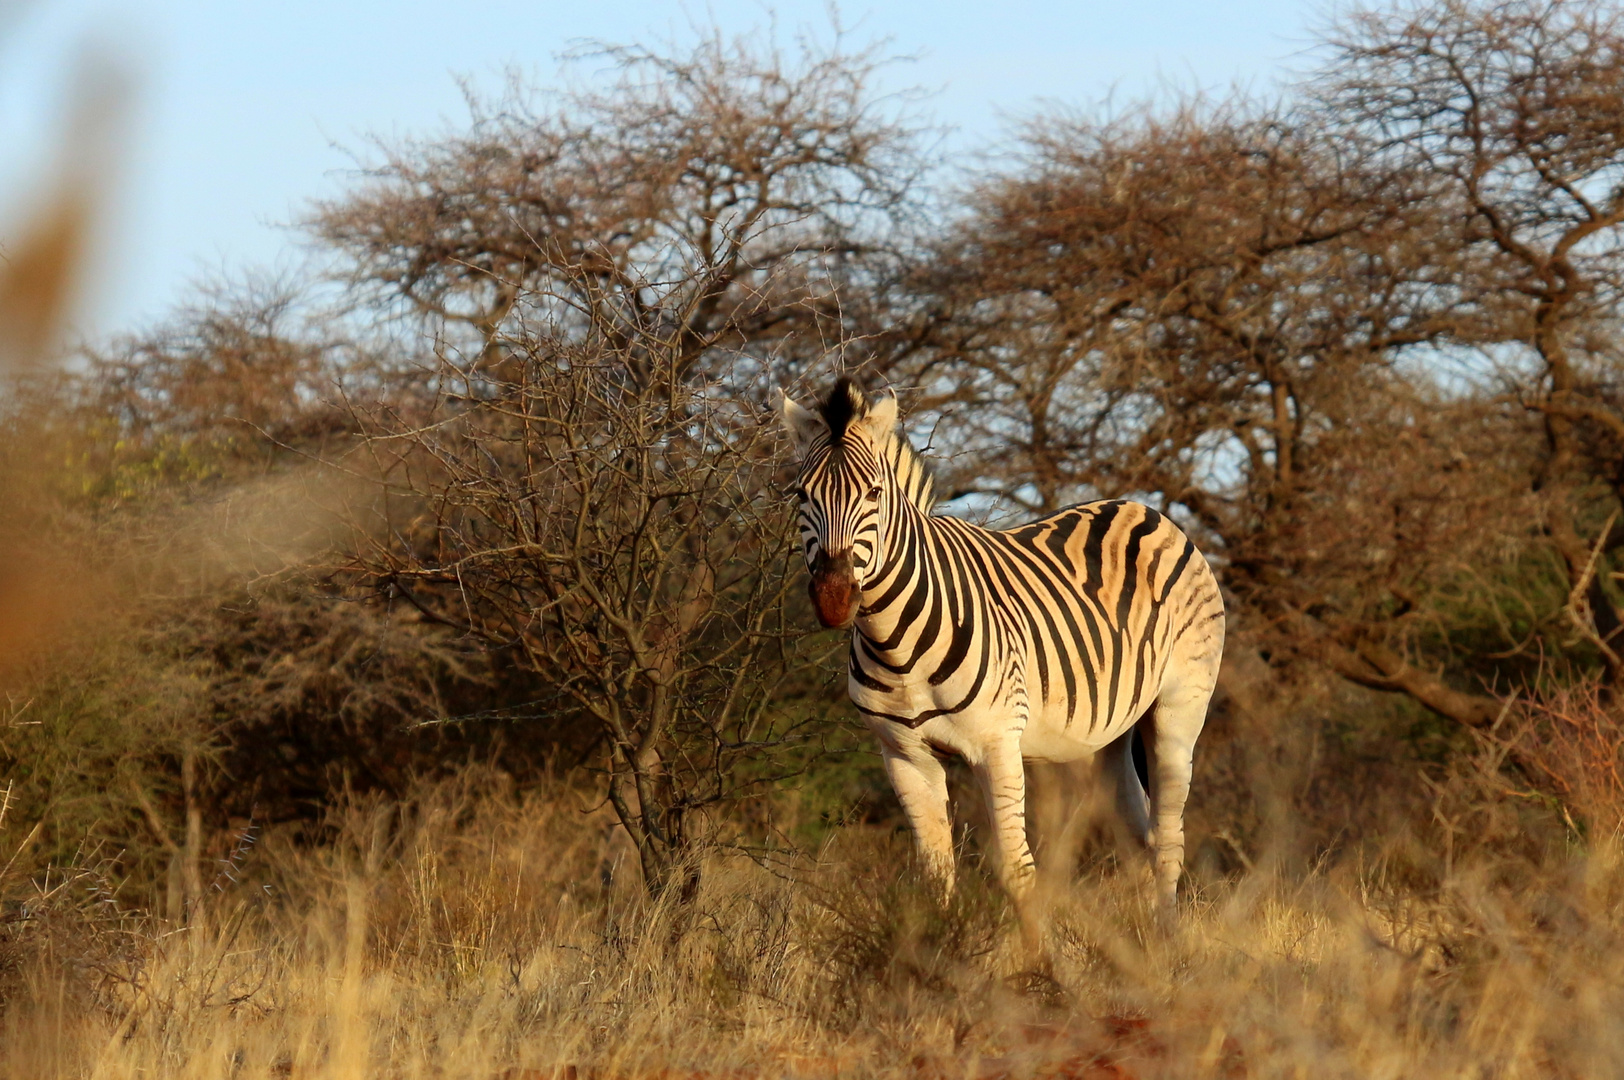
{"x":240,"y":113}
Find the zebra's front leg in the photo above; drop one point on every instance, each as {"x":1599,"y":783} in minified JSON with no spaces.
{"x":1002,"y":774}
{"x":920,"y":782}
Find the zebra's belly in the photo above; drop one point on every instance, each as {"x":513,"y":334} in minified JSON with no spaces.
{"x":971,"y":732}
{"x":960,"y":718}
{"x":1053,"y":735}
{"x":1046,"y":742}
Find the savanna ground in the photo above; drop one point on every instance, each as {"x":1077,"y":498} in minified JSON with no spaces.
{"x":472,"y":929}
{"x":406,"y":667}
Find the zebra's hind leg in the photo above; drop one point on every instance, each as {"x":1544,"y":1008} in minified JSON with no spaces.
{"x":1116,"y":764}
{"x":1180,"y":712}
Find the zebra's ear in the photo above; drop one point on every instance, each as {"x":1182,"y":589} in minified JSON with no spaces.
{"x":803,"y":425}
{"x":880,"y":422}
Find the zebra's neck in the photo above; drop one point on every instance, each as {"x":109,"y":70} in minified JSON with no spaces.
{"x":903,"y":588}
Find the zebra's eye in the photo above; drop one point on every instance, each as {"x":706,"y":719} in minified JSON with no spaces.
{"x":798,"y":493}
{"x":873,"y":494}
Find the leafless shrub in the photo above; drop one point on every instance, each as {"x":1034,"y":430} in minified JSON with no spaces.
{"x":65,"y":916}
{"x":611,"y":526}
{"x":1360,"y":342}
{"x":1569,"y":742}
{"x":239,"y":374}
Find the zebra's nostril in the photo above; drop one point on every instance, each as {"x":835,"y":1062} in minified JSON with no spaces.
{"x":824,"y":564}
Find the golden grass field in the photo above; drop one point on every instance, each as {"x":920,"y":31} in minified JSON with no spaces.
{"x":479,"y":935}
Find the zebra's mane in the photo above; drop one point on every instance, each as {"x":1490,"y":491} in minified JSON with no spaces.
{"x":913,"y":472}
{"x":847,"y":402}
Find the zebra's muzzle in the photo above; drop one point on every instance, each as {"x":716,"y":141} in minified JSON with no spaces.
{"x":834,"y":589}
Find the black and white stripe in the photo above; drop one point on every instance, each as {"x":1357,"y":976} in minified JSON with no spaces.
{"x":1051,"y":641}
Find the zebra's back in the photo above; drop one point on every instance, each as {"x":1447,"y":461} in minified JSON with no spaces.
{"x":1070,"y":623}
{"x":1109,"y":594}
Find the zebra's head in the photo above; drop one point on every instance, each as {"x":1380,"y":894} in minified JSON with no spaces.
{"x":845,"y":480}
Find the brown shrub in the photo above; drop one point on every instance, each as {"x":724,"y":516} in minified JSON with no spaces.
{"x":1569,"y":742}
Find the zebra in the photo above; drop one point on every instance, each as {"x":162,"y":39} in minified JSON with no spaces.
{"x":1050,"y":641}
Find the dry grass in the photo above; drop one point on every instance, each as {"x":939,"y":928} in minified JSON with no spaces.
{"x":473,"y":933}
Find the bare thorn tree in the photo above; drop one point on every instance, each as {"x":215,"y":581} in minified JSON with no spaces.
{"x":1212,"y":309}
{"x":579,"y":475}
{"x":1514,"y":113}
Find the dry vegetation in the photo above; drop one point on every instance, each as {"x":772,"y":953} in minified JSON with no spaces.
{"x":410,"y":676}
{"x":469,"y":931}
